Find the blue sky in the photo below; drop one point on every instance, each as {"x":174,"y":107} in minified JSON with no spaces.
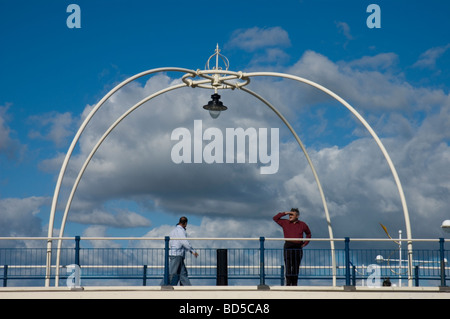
{"x":396,"y":76}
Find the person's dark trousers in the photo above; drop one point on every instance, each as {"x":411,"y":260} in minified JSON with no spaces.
{"x":177,"y":272}
{"x":293,"y":254}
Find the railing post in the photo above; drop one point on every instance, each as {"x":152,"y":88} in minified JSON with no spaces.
{"x":416,"y":276}
{"x":5,"y":275}
{"x":442,"y":257}
{"x":354,"y":275}
{"x":262,"y":277}
{"x":144,"y":279}
{"x":282,"y":275}
{"x":77,"y":250}
{"x":347,"y":261}
{"x":166,"y":260}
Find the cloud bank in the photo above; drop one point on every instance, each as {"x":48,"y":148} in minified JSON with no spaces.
{"x":134,"y":164}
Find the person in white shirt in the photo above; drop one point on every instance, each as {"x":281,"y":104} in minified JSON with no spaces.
{"x":177,"y":253}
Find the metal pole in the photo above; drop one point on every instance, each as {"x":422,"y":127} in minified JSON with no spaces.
{"x":262,"y":276}
{"x":347,"y":261}
{"x":77,"y":250}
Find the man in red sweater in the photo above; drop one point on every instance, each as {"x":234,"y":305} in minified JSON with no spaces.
{"x":293,"y":249}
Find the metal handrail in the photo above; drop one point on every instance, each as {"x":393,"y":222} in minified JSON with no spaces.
{"x":232,"y":239}
{"x":345,"y":266}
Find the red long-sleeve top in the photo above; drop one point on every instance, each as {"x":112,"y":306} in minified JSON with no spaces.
{"x":293,"y":229}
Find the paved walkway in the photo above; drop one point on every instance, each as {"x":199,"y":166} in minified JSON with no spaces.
{"x":225,"y":292}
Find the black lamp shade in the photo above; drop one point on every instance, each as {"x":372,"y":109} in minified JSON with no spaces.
{"x":215,"y":106}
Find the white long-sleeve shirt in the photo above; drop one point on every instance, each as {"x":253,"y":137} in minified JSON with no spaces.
{"x":179,"y":247}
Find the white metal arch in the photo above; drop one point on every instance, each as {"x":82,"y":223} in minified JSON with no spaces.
{"x":222,"y":84}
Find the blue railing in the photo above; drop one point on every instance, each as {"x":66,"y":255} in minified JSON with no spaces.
{"x":146,"y":262}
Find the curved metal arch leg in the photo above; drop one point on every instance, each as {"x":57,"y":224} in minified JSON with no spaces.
{"x":72,"y":147}
{"x":316,"y":177}
{"x":377,"y":140}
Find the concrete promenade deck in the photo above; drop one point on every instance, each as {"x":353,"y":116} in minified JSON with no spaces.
{"x":224,"y":292}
